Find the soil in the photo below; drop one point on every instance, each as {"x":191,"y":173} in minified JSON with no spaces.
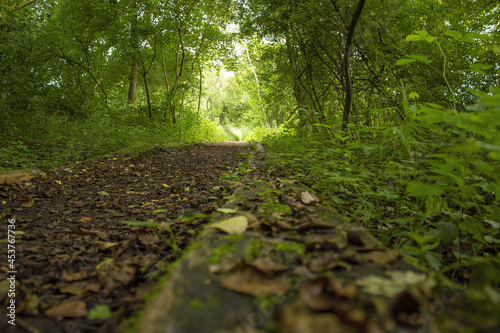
{"x":96,"y":236}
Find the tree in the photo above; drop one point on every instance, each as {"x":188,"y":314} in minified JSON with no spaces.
{"x":347,"y":62}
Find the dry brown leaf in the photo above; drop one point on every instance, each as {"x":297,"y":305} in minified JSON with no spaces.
{"x":76,"y":288}
{"x":268,"y":266}
{"x":363,"y":238}
{"x":147,"y":237}
{"x":28,"y":204}
{"x":331,"y":241}
{"x":314,"y":224}
{"x":314,"y":295}
{"x":30,"y":305}
{"x":70,"y":276}
{"x":114,"y":275}
{"x":381,"y":257}
{"x":323,"y":294}
{"x":308,"y":198}
{"x":296,"y":318}
{"x":70,"y":309}
{"x":104,"y":245}
{"x":250,"y":217}
{"x":248,"y":280}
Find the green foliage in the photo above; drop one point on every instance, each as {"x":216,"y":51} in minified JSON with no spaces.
{"x":100,"y":311}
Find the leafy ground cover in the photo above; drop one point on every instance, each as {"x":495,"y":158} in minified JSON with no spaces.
{"x":277,"y":259}
{"x":93,"y":239}
{"x":428,"y":188}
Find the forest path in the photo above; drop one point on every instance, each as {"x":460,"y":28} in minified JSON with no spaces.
{"x":96,"y":236}
{"x":101,"y":232}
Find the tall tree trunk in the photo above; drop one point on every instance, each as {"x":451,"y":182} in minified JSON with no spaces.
{"x":132,"y":85}
{"x":201,"y":88}
{"x":268,"y":124}
{"x":150,"y":108}
{"x":347,"y":63}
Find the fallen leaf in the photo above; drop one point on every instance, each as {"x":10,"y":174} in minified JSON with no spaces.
{"x":28,"y":204}
{"x":362,"y":238}
{"x":232,"y":226}
{"x":70,"y":309}
{"x":103,"y":193}
{"x":227,"y":210}
{"x":252,"y":220}
{"x":248,"y":280}
{"x":323,"y":294}
{"x":76,"y":288}
{"x":268,"y":266}
{"x":381,"y":257}
{"x":397,"y":282}
{"x":336,"y":241}
{"x":308,"y":198}
{"x":296,"y":318}
{"x":30,"y":305}
{"x":104,"y":245}
{"x":314,"y":295}
{"x":314,"y":224}
{"x":70,"y":276}
{"x":147,"y":237}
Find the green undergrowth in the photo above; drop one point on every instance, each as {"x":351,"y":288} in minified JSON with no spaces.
{"x":55,"y":140}
{"x":429,"y":188}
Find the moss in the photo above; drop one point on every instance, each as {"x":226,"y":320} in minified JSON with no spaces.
{"x":228,"y":247}
{"x":253,"y":250}
{"x":272,"y":204}
{"x":196,"y":303}
{"x":297,"y":248}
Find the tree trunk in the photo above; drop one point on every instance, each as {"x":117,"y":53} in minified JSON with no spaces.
{"x":132,"y":86}
{"x":201,"y":88}
{"x":347,"y":64}
{"x":150,"y":108}
{"x":268,"y":124}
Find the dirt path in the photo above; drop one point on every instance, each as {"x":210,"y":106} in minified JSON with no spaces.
{"x":97,"y":235}
{"x":93,"y":239}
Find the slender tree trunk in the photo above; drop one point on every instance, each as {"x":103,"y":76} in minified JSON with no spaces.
{"x":347,"y":63}
{"x":150,"y":108}
{"x":201,"y":87}
{"x":268,"y":125}
{"x":132,"y":86}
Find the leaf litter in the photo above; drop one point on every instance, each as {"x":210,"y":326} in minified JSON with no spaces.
{"x":98,"y":234}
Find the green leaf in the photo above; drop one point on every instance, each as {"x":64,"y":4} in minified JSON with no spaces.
{"x":448,"y":232}
{"x":494,"y":224}
{"x":106,"y":261}
{"x":227,"y":210}
{"x":433,"y":260}
{"x":413,"y":95}
{"x":100,"y":311}
{"x":413,"y":38}
{"x":479,"y":68}
{"x":418,"y":189}
{"x":160,"y":211}
{"x":191,"y":215}
{"x":140,"y":223}
{"x":469,"y":37}
{"x":420,"y":35}
{"x":401,"y":62}
{"x":420,"y":58}
{"x":454,"y":34}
